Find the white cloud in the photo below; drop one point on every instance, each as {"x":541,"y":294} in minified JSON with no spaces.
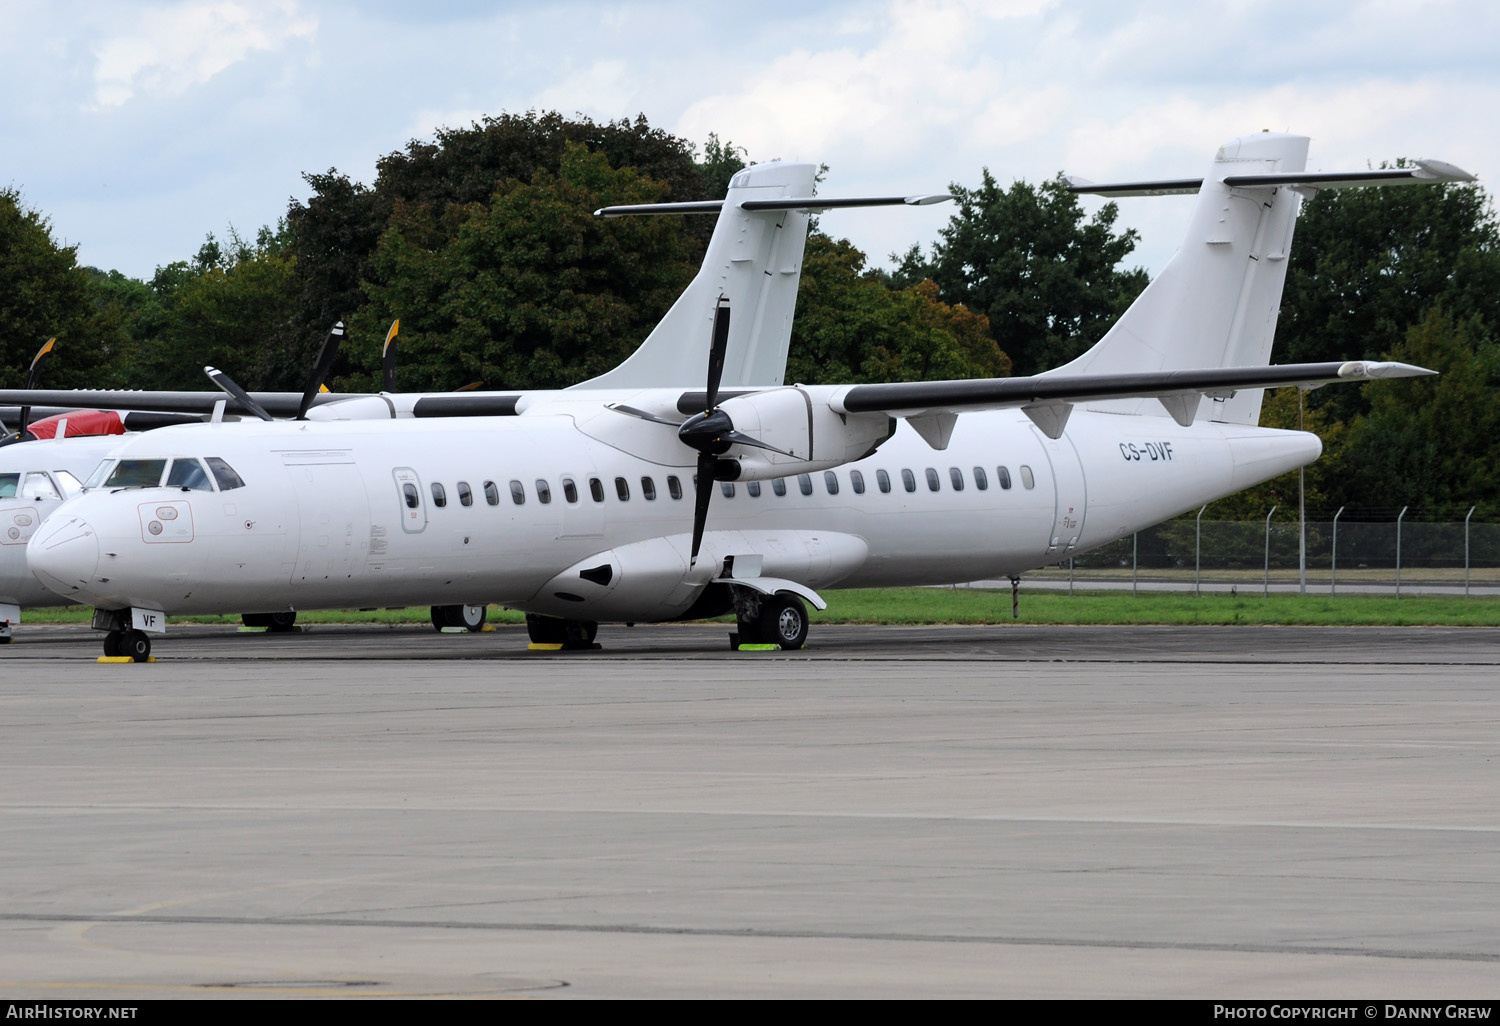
{"x":169,"y":50}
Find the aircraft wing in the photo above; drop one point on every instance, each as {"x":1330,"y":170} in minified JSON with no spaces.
{"x":58,"y":400}
{"x":1049,"y":398}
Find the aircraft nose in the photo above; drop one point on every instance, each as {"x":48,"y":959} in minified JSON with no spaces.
{"x":64,"y":554}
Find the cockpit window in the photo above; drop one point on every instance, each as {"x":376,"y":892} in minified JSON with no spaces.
{"x":100,"y":473}
{"x":8,"y":484}
{"x":190,"y":475}
{"x":136,"y":474}
{"x":38,"y":486}
{"x":224,"y":474}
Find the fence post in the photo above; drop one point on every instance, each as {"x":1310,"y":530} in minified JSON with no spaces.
{"x":1198,"y":550}
{"x":1398,"y":548}
{"x":1333,"y":567}
{"x":1466,"y":551}
{"x":1266,"y":593}
{"x":1134,"y":560}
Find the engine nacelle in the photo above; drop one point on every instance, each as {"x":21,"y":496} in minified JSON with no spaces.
{"x":799,"y":421}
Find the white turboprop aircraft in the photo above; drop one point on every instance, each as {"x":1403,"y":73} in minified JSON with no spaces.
{"x":575,"y":507}
{"x":755,"y":257}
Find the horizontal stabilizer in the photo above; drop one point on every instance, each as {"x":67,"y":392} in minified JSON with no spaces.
{"x":1422,"y":172}
{"x":804,"y":204}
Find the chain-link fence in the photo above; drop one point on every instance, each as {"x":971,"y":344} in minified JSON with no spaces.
{"x":1351,"y":551}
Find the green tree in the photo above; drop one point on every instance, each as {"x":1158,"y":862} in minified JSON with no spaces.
{"x":1025,"y":257}
{"x":1368,"y":264}
{"x":1432,"y":441}
{"x":526,"y":289}
{"x":852,"y":327}
{"x":44,"y":293}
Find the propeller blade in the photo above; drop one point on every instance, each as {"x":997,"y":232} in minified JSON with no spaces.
{"x":470,"y":387}
{"x":234,"y":391}
{"x":716,"y":352}
{"x":31,"y":379}
{"x":642,"y":414}
{"x":740,"y":438}
{"x":388,"y":358}
{"x":320,"y":369}
{"x":703,"y":485}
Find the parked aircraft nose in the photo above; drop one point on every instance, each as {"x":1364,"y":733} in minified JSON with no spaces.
{"x":64,"y":554}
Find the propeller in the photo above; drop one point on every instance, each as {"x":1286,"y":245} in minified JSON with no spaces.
{"x":320,"y":370}
{"x":31,"y":380}
{"x":710,"y":433}
{"x":388,"y":358}
{"x":228,"y":385}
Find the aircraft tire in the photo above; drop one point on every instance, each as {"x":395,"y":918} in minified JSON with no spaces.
{"x":136,"y":645}
{"x":5,"y":639}
{"x":545,"y":630}
{"x":282,"y":622}
{"x":472,"y":617}
{"x":112,"y":643}
{"x":442,"y":616}
{"x":783,"y":621}
{"x":579,"y":633}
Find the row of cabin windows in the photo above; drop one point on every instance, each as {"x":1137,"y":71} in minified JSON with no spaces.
{"x":543,"y":488}
{"x":956,"y":481}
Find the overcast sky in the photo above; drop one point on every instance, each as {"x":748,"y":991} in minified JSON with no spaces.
{"x":137,"y":128}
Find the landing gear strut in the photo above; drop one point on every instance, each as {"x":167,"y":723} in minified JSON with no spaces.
{"x":471,"y":618}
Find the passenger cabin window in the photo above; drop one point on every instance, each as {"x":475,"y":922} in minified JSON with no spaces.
{"x":648,"y":489}
{"x":857,"y":482}
{"x":136,"y":474}
{"x":674,"y":486}
{"x":956,"y":477}
{"x":883,"y":480}
{"x":804,"y":482}
{"x":189,"y":475}
{"x":1026,"y":479}
{"x":570,"y":490}
{"x":933,"y":481}
{"x":491,"y":493}
{"x":9,"y":483}
{"x":543,"y":491}
{"x":622,"y":489}
{"x":439,"y":495}
{"x":518,"y":493}
{"x":908,"y":480}
{"x":1002,"y":474}
{"x":465,"y":494}
{"x":224,"y":474}
{"x":831,"y":482}
{"x":727,"y":487}
{"x":596,"y":489}
{"x":981,"y":480}
{"x":779,"y":486}
{"x":753,"y":488}
{"x":410,"y":495}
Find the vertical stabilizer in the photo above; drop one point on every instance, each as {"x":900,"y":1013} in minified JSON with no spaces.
{"x":1215,"y":303}
{"x":755,"y":259}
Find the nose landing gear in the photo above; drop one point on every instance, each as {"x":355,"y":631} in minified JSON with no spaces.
{"x":132,"y":644}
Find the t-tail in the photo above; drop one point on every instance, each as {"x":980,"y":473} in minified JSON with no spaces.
{"x":754,"y":260}
{"x":1216,"y":302}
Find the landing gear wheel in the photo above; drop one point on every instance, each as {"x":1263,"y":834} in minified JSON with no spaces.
{"x":470,"y":618}
{"x":544,"y":630}
{"x":136,"y":645}
{"x":579,"y":634}
{"x":275,"y":623}
{"x":112,"y":644}
{"x":782,"y":621}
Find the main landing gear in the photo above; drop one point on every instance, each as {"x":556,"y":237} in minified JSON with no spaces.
{"x":779,"y":619}
{"x":572,"y":635}
{"x":470,"y":618}
{"x":274,"y":623}
{"x":133,"y":644}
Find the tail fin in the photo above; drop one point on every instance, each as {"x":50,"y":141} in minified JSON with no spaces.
{"x":755,"y":259}
{"x":1215,"y":303}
